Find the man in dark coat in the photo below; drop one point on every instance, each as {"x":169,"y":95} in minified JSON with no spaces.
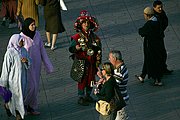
{"x":152,"y":57}
{"x":163,"y":20}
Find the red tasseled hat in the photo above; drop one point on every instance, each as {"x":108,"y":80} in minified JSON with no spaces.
{"x":84,"y":15}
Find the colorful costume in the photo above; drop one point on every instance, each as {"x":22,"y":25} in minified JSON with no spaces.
{"x":90,"y":51}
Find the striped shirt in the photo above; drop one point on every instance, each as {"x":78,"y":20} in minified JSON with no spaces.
{"x":121,"y":76}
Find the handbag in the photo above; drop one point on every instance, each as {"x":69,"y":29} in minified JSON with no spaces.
{"x":5,"y":93}
{"x":103,"y":107}
{"x":77,"y":69}
{"x":117,"y":103}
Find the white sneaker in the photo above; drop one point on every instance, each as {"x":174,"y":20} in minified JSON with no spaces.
{"x":4,"y":18}
{"x":53,"y":48}
{"x":47,"y":44}
{"x":158,"y":83}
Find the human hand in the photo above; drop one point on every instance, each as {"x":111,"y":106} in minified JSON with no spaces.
{"x":19,"y":25}
{"x":96,"y":91}
{"x":98,"y":57}
{"x":78,"y":47}
{"x":101,"y":81}
{"x":99,"y":73}
{"x":24,"y":60}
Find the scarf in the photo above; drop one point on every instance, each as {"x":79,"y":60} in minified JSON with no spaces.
{"x":25,"y":28}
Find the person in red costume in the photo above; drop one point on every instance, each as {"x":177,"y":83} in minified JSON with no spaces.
{"x":86,"y":45}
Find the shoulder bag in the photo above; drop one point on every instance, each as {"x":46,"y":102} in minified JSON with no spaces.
{"x":77,"y":69}
{"x":117,"y":103}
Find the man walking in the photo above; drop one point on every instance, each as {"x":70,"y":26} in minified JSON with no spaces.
{"x":160,"y":14}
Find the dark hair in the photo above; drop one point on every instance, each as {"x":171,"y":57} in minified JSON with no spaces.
{"x":157,"y":2}
{"x":81,"y":21}
{"x":25,"y":28}
{"x":108,"y":67}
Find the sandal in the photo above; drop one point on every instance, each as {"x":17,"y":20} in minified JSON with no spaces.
{"x":139,"y":78}
{"x":53,"y":48}
{"x":8,"y":112}
{"x":18,"y":116}
{"x":156,"y":83}
{"x":46,"y":44}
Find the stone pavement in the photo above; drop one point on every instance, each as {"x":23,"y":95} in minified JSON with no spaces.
{"x":119,"y":22}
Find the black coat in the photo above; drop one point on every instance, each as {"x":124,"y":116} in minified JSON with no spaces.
{"x":152,"y":42}
{"x":163,"y":20}
{"x":107,"y":91}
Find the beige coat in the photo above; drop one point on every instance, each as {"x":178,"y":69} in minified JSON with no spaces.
{"x":28,"y":8}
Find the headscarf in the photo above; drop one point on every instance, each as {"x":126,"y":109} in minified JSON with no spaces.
{"x":25,"y":28}
{"x":14,"y":42}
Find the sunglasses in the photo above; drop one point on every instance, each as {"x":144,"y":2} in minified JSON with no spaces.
{"x":102,"y":69}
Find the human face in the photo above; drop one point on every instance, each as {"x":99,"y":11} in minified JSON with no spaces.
{"x":112,"y":59}
{"x":103,"y":71}
{"x":85,"y":25}
{"x":146,"y":17}
{"x":158,"y":8}
{"x":21,"y":43}
{"x":32,"y":26}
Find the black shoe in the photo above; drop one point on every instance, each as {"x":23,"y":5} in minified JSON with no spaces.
{"x":82,"y":101}
{"x":3,"y":23}
{"x":168,"y":72}
{"x":8,"y":112}
{"x":89,"y":99}
{"x":31,"y":111}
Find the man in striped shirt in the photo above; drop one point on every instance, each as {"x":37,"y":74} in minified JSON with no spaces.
{"x":121,"y":76}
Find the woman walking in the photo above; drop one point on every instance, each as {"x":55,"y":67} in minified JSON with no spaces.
{"x":14,"y":75}
{"x":53,"y":22}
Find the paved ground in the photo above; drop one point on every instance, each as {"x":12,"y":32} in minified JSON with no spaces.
{"x":119,"y":21}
